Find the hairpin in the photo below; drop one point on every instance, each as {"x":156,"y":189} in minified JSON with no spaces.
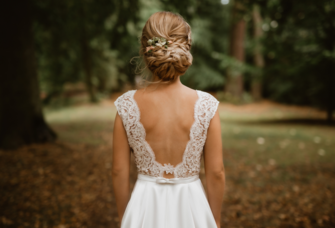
{"x":157,"y":42}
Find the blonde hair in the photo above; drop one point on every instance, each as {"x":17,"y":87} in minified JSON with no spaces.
{"x":167,"y":63}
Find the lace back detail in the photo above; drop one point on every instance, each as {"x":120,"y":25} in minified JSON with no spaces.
{"x":129,"y":112}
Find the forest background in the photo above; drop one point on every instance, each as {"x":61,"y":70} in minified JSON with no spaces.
{"x":62,"y":61}
{"x":245,"y":50}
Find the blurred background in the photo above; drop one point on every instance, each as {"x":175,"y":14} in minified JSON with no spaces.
{"x":271,"y":63}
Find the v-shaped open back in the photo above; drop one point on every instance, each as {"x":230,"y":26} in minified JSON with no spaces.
{"x":204,"y":110}
{"x":166,"y":166}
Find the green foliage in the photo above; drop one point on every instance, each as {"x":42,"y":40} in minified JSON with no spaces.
{"x":84,"y":41}
{"x":209,"y":23}
{"x":299,"y":47}
{"x":201,"y":76}
{"x":76,"y":40}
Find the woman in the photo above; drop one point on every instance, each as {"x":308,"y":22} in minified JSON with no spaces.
{"x":168,"y":127}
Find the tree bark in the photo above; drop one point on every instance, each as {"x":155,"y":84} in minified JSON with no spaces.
{"x":330,"y":45}
{"x":87,"y":58}
{"x":331,"y":93}
{"x":234,"y":85}
{"x":87,"y":65}
{"x":256,"y":84}
{"x":21,"y":118}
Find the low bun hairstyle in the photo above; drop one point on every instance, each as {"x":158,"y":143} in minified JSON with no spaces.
{"x":167,"y":63}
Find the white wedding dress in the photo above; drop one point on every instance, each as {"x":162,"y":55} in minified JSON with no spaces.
{"x":158,"y":202}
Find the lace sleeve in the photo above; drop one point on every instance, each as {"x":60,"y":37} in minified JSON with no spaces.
{"x":118,"y":105}
{"x":124,"y":105}
{"x":211,"y":105}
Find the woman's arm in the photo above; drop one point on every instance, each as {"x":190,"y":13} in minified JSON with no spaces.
{"x":121,"y":166}
{"x":213,"y":159}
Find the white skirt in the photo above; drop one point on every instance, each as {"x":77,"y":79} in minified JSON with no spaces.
{"x":158,"y":202}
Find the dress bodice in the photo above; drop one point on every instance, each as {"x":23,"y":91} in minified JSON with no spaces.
{"x":204,"y":110}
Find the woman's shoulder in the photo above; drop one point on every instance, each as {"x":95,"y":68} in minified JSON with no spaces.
{"x":201,"y":94}
{"x":207,"y":96}
{"x":124,"y":100}
{"x":208,"y":104}
{"x":124,"y":96}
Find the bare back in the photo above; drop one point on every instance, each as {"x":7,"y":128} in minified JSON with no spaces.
{"x":167,"y":128}
{"x":167,"y":115}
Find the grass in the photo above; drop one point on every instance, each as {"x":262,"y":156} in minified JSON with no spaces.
{"x":280,"y":173}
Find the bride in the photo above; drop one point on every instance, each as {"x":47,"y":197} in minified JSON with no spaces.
{"x":169,"y":128}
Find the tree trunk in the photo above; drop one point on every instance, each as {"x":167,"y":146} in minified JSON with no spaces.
{"x":21,"y":117}
{"x":87,"y":58}
{"x":256,"y":84}
{"x":330,"y":45}
{"x":234,"y":85}
{"x":87,"y":64}
{"x":331,"y":93}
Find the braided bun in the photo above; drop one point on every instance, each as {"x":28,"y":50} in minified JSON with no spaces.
{"x":171,"y":62}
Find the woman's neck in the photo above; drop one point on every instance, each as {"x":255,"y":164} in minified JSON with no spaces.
{"x":162,"y":85}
